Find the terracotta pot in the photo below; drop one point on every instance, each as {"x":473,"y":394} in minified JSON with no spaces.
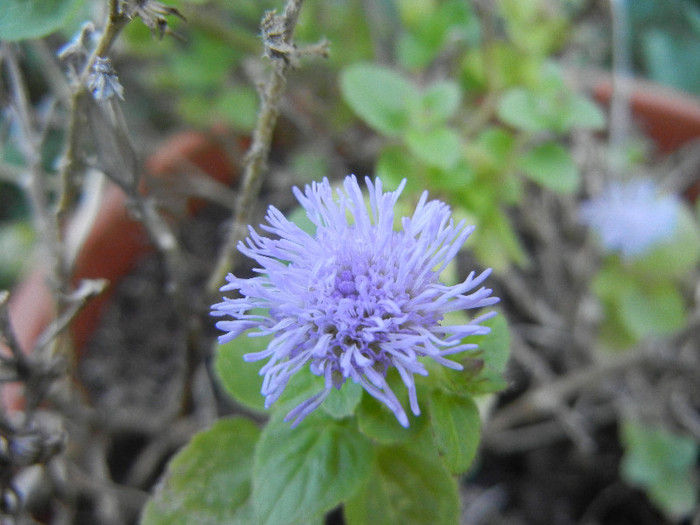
{"x":669,"y":117}
{"x":114,"y":245}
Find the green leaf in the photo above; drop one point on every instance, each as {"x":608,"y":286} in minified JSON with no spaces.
{"x":209,"y":481}
{"x":675,"y":256}
{"x":342,"y":402}
{"x":429,"y":27}
{"x":524,"y":110}
{"x":551,"y":166}
{"x":492,"y":151}
{"x":409,"y":485}
{"x":437,"y":147}
{"x":651,"y":309}
{"x":241,"y":379}
{"x":413,"y":53}
{"x":483,"y":369}
{"x":456,"y":426}
{"x":580,"y":112}
{"x":496,"y":244}
{"x":24,"y":19}
{"x":662,"y":463}
{"x":495,"y":346}
{"x":394,"y":164}
{"x":379,"y":96}
{"x":439,"y":103}
{"x":16,"y":241}
{"x":301,"y":473}
{"x":377,"y":422}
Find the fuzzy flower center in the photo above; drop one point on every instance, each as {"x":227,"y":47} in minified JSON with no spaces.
{"x":354,"y":307}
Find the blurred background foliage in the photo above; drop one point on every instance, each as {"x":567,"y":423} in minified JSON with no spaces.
{"x":664,"y":39}
{"x":484,"y":97}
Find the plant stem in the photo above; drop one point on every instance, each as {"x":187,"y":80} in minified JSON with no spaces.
{"x":256,"y":158}
{"x":70,"y":163}
{"x":30,"y":144}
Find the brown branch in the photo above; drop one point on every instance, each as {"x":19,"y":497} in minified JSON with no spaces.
{"x":278,"y":32}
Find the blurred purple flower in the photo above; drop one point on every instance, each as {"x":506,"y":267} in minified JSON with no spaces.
{"x":631,"y":217}
{"x":355,"y":299}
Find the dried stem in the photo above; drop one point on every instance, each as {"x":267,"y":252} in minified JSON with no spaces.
{"x":283,"y":55}
{"x":30,"y":143}
{"x":8,"y":338}
{"x":70,"y":163}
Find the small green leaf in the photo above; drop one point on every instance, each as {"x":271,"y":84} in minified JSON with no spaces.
{"x":379,"y":96}
{"x":394,"y":164}
{"x":377,"y":422}
{"x":437,"y":147}
{"x":494,"y":347}
{"x":662,"y":463}
{"x":439,"y":103}
{"x":409,"y":485}
{"x":551,"y":166}
{"x":16,"y":241}
{"x":483,"y":368}
{"x":209,"y":481}
{"x":456,"y":425}
{"x":24,"y":19}
{"x":342,"y":402}
{"x":675,"y":256}
{"x":492,"y":151}
{"x":429,"y":27}
{"x":496,"y":244}
{"x":301,"y":473}
{"x":580,"y":112}
{"x":240,"y":378}
{"x":651,"y":309}
{"x":524,"y":110}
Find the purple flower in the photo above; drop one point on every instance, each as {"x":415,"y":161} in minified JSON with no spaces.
{"x":355,"y":299}
{"x":631,"y":217}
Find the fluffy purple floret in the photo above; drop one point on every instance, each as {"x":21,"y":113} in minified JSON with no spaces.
{"x":355,"y":299}
{"x":631,"y":217}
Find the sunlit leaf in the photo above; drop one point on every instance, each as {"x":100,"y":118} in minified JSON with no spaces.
{"x":438,"y":147}
{"x":342,"y":402}
{"x":551,"y":166}
{"x":456,"y":425}
{"x":301,"y":473}
{"x":651,"y":309}
{"x":209,"y":481}
{"x":240,"y":378}
{"x":580,"y":112}
{"x":376,"y":421}
{"x":439,"y":103}
{"x":409,"y":484}
{"x":524,"y":110}
{"x":379,"y":96}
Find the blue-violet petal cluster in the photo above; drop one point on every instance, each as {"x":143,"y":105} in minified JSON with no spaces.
{"x":357,"y":298}
{"x":631,"y":217}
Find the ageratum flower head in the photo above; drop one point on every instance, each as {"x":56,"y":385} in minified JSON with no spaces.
{"x":355,"y":299}
{"x":631,"y":217}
